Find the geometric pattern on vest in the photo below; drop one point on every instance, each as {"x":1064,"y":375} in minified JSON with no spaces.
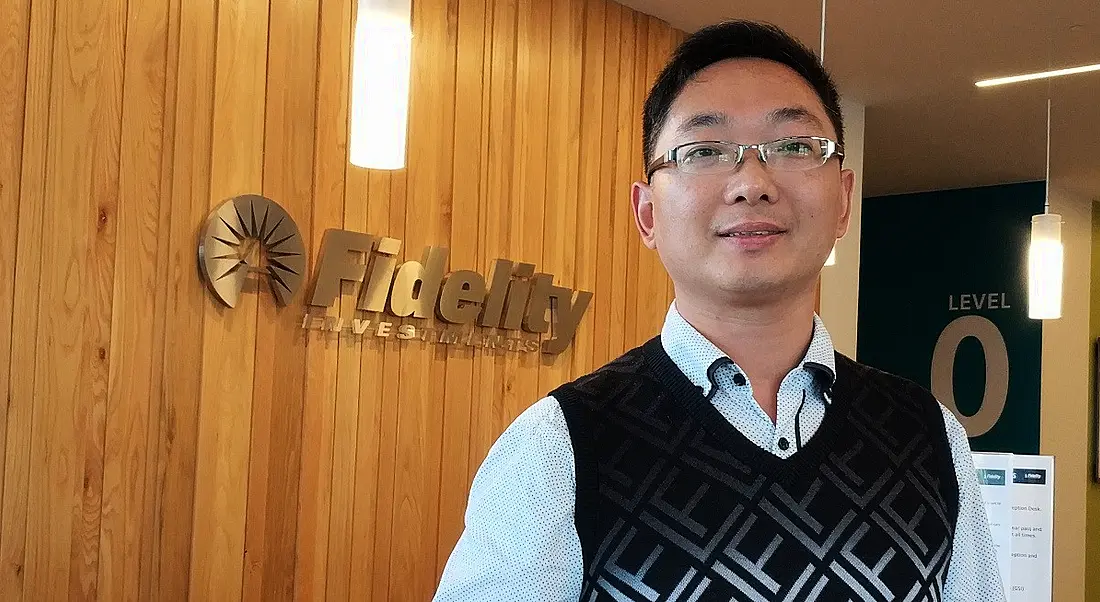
{"x":673,"y":503}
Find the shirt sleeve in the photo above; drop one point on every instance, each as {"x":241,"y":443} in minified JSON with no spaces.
{"x":520,"y":541}
{"x":973,"y":574}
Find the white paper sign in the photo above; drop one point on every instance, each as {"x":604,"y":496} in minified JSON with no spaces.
{"x":1018,"y":492}
{"x":995,"y":477}
{"x":1032,"y":528}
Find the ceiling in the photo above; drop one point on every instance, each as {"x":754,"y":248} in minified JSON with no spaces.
{"x":913,"y":64}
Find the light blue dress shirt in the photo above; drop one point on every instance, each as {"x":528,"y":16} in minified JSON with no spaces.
{"x":520,"y":542}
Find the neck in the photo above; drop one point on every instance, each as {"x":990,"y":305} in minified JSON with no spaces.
{"x":766,"y":341}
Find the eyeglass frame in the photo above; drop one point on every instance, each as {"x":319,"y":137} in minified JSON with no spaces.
{"x":832,"y":149}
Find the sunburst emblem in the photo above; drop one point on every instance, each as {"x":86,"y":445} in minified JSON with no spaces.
{"x":246,"y":235}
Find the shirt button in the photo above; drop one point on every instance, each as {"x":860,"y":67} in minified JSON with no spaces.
{"x":739,"y":379}
{"x":784,"y":444}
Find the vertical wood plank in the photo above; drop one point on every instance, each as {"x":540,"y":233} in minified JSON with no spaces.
{"x":336,"y":204}
{"x":186,"y":302}
{"x":468,"y":162}
{"x":371,"y":191}
{"x":521,"y":388}
{"x":650,"y":277}
{"x":563,"y":165}
{"x":73,"y":337}
{"x":14,"y":38}
{"x":609,"y":190}
{"x":329,"y":160}
{"x":420,"y":412}
{"x":323,"y":352}
{"x":592,"y":151}
{"x":330,"y":168}
{"x":488,"y":412}
{"x":628,"y":231}
{"x":621,"y":219}
{"x":152,"y":515}
{"x":390,"y":396}
{"x":228,"y":360}
{"x":24,"y":408}
{"x":289,"y":131}
{"x":132,"y":357}
{"x":346,"y":413}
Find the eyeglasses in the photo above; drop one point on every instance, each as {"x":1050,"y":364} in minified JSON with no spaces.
{"x":797,"y":153}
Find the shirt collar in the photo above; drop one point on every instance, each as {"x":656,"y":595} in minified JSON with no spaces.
{"x":694,"y":354}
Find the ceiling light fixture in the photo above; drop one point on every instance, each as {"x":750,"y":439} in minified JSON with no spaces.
{"x":999,"y":81}
{"x":1045,"y":257}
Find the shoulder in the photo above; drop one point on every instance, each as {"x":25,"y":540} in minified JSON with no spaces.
{"x":883,"y":382}
{"x":896,"y":391}
{"x":612,"y":381}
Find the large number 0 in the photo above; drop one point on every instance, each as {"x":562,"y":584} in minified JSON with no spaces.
{"x":996,"y":371}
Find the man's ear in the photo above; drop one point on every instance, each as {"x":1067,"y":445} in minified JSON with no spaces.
{"x":641,"y":201}
{"x":847,"y":187}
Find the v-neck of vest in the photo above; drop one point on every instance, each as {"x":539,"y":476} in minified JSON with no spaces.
{"x":691,"y":397}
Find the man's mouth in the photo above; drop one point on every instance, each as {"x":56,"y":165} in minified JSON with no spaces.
{"x":749,"y":233}
{"x":751,"y":230}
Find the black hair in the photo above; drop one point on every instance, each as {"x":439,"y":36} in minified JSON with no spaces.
{"x":732,"y":40}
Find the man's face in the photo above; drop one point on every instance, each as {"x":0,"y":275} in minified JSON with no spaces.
{"x":753,"y":235}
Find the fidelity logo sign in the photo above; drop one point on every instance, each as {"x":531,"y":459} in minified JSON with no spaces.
{"x":252,"y":234}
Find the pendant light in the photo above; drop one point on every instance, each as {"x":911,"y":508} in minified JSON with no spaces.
{"x":1045,"y":256}
{"x":821,"y":55}
{"x":381,"y":62}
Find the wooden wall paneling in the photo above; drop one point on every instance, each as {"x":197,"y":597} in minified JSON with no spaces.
{"x":521,"y":386}
{"x":23,"y":418}
{"x":372,"y":402}
{"x":74,"y":331}
{"x":592,"y":149}
{"x":390,"y":192}
{"x":610,"y":194}
{"x":650,"y":278}
{"x":322,"y":353}
{"x":489,"y":413}
{"x":339,"y":202}
{"x":560,"y":207}
{"x":152,"y":513}
{"x":675,"y":37}
{"x":350,"y":397}
{"x":152,"y":516}
{"x":468,"y":161}
{"x":14,"y":38}
{"x":423,"y":367}
{"x":632,"y":315}
{"x":277,"y":402}
{"x":133,"y":361}
{"x":622,"y":297}
{"x":228,"y":374}
{"x":160,"y":446}
{"x":184,"y":339}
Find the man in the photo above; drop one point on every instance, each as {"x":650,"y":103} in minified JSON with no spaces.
{"x":736,"y":456}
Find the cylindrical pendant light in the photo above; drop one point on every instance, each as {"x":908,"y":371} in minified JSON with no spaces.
{"x":1045,"y":257}
{"x":381,"y":62}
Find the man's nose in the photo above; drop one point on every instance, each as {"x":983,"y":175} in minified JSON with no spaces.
{"x":751,"y":182}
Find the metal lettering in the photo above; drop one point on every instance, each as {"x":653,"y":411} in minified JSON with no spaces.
{"x":335,"y":265}
{"x":996,"y":371}
{"x":463,"y":293}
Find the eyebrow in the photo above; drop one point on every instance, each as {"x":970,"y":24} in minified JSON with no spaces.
{"x":794,"y":114}
{"x":703,"y":120}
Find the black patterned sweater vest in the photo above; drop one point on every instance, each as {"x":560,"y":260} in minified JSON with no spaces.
{"x":674,"y":503}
